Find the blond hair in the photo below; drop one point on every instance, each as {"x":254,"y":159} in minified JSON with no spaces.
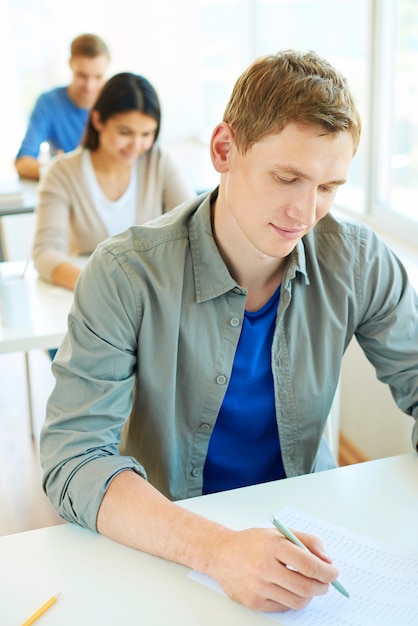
{"x":290,"y":86}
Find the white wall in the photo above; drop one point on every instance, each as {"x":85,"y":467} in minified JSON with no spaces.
{"x":369,"y":416}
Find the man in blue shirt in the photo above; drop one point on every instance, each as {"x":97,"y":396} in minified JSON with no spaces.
{"x":60,"y":115}
{"x":204,"y":348}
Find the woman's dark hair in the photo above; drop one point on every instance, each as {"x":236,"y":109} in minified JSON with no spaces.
{"x":123,"y":93}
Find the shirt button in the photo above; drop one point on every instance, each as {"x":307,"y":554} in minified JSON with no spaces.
{"x":234,"y":321}
{"x":204,"y":427}
{"x":221,"y":379}
{"x":195,"y":471}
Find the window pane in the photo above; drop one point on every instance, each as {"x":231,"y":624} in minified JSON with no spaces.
{"x":337,"y":30}
{"x":403,"y":190}
{"x":224,"y":35}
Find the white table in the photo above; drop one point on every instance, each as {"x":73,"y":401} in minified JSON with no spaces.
{"x":17,"y":197}
{"x":49,"y":306}
{"x":102,"y":582}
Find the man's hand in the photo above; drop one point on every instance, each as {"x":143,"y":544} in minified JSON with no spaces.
{"x":257,"y":567}
{"x":264,"y":571}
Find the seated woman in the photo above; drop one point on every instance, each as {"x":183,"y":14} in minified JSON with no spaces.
{"x":118,"y":177}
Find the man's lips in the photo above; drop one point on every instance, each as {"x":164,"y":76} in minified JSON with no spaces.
{"x":289,"y":233}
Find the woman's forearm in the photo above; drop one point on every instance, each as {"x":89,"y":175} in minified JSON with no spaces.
{"x":66,"y":275}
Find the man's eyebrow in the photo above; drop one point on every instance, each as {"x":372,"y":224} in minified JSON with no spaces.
{"x":293,"y":171}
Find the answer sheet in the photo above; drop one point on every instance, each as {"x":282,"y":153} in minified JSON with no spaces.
{"x":381,"y":580}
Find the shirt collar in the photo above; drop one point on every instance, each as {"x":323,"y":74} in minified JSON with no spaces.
{"x":211,"y":275}
{"x":296,"y":264}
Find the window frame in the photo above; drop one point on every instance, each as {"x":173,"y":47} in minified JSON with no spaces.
{"x":378,"y":132}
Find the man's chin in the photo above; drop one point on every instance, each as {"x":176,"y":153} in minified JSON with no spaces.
{"x":86,"y":102}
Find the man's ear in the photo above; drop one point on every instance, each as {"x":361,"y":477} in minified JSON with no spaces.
{"x":221,"y":143}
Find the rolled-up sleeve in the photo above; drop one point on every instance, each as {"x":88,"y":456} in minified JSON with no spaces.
{"x":86,"y":412}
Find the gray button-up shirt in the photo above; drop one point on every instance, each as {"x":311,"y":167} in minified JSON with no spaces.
{"x":142,"y":372}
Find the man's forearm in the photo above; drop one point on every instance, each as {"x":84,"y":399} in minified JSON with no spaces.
{"x":134,"y":513}
{"x":257,"y":567}
{"x":27,"y":167}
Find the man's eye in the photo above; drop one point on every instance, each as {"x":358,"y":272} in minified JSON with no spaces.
{"x":286,"y":181}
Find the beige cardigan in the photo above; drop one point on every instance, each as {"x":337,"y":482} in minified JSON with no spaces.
{"x":67,"y":223}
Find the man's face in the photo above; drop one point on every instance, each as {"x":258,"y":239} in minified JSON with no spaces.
{"x":276,"y":193}
{"x":88,"y":79}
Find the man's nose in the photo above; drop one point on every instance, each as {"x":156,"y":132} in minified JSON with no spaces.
{"x":92,"y":85}
{"x":304,"y":207}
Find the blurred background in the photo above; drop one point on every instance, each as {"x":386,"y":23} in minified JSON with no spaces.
{"x":193,"y":51}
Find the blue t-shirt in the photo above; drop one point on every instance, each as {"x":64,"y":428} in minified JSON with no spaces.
{"x":57,"y":120}
{"x":244,"y":448}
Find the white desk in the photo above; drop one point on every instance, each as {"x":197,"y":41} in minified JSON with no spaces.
{"x":49,"y":306}
{"x":102,"y":582}
{"x":17,"y":197}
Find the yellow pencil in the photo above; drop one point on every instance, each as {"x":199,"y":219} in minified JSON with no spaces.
{"x":41,"y":611}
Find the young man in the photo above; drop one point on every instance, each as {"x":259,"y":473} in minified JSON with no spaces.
{"x":204,"y":348}
{"x":60,"y":115}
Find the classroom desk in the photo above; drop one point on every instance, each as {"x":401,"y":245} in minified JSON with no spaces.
{"x":11,"y":205}
{"x":49,"y":306}
{"x":26,"y":203}
{"x":49,"y":310}
{"x":102,"y":582}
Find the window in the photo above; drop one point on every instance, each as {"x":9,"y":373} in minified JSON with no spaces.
{"x":337,"y":30}
{"x":375,"y":44}
{"x":396,"y":111}
{"x":193,"y":51}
